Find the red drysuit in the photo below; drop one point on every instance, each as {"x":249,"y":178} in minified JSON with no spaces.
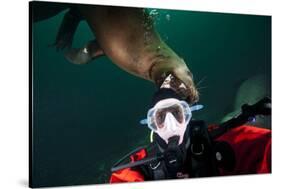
{"x":251,"y":146}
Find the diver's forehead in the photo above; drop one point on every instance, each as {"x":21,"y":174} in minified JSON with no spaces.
{"x":166,"y":102}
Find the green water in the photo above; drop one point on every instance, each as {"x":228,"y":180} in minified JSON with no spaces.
{"x":87,"y":117}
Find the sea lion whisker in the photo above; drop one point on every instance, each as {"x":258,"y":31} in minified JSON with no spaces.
{"x":201,"y":81}
{"x":199,"y":89}
{"x":203,"y":87}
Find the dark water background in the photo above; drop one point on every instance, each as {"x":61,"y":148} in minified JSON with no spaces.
{"x":87,"y":117}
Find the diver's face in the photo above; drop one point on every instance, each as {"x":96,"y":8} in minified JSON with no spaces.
{"x":175,"y":111}
{"x":171,"y":127}
{"x":169,"y":118}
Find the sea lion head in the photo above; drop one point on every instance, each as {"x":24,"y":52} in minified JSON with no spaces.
{"x":182,"y":78}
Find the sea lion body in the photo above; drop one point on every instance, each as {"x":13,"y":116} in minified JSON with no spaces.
{"x":123,"y":35}
{"x":251,"y":91}
{"x":128,"y":38}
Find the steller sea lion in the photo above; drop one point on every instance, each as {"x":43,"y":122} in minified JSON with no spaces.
{"x":127,"y":36}
{"x":251,"y":91}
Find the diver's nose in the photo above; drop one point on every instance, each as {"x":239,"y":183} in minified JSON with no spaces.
{"x":170,"y":122}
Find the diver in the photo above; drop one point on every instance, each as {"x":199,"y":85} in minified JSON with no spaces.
{"x":182,"y":147}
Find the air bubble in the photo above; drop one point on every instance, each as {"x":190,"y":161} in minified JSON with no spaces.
{"x":168,"y":17}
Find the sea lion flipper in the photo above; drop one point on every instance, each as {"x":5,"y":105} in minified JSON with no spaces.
{"x":45,"y":10}
{"x":67,"y":29}
{"x":85,"y":54}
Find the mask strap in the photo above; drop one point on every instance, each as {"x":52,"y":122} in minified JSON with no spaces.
{"x":196,"y":107}
{"x":143,"y":122}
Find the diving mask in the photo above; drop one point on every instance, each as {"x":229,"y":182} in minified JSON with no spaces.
{"x":157,"y":116}
{"x":170,"y":117}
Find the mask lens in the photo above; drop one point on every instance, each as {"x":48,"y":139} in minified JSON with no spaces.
{"x":160,"y":115}
{"x":179,"y":109}
{"x":160,"y":118}
{"x":177,"y":112}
